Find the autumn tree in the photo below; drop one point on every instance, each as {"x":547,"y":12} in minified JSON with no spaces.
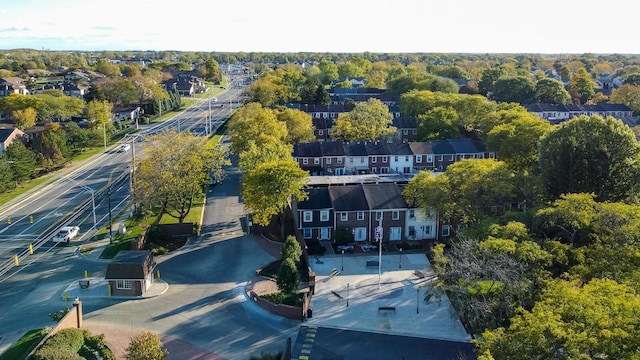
{"x":145,"y":346}
{"x":174,"y":172}
{"x":628,"y":95}
{"x":591,"y":155}
{"x":56,"y":106}
{"x":581,"y":86}
{"x":24,"y":119}
{"x":271,"y":187}
{"x":367,"y":121}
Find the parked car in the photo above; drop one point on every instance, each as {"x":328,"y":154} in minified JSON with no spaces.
{"x":66,"y":234}
{"x":347,"y":248}
{"x":368,"y":247}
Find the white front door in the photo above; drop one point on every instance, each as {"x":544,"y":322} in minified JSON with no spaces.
{"x":360,"y":234}
{"x":324,"y":233}
{"x":395,"y":233}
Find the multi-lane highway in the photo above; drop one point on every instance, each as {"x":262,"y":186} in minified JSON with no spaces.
{"x":83,"y":195}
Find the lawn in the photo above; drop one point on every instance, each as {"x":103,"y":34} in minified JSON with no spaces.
{"x":20,"y":349}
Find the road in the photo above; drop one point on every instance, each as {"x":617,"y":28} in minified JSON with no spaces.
{"x":34,"y":219}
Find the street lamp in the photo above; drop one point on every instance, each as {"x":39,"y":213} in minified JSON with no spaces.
{"x":110,"y":220}
{"x":400,"y":259}
{"x":342,"y":267}
{"x":347,"y":294}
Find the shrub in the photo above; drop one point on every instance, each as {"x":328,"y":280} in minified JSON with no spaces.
{"x":288,"y":278}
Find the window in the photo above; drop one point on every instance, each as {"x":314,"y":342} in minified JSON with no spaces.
{"x":439,"y":157}
{"x":418,"y":158}
{"x":124,"y":284}
{"x":360,"y":215}
{"x":374,"y":159}
{"x":427,"y":230}
{"x":452,"y":157}
{"x":339,"y":160}
{"x":324,"y":215}
{"x":307,"y":216}
{"x":406,"y":158}
{"x":384,"y":159}
{"x":362,"y":160}
{"x":378,"y":215}
{"x":351,"y":160}
{"x":305,"y":161}
{"x":316,"y":161}
{"x":412,"y":214}
{"x":320,"y":132}
{"x":395,"y":215}
{"x":429,"y":158}
{"x":405,"y":131}
{"x":414,"y":132}
{"x":396,"y":158}
{"x":307,"y":233}
{"x":446,"y":231}
{"x":328,"y":160}
{"x":374,"y":170}
{"x":344,"y":216}
{"x":412,"y":231}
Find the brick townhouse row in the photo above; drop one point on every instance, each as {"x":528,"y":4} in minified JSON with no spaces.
{"x":384,"y":157}
{"x":357,"y":210}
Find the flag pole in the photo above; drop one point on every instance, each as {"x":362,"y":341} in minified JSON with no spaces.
{"x":379,"y":250}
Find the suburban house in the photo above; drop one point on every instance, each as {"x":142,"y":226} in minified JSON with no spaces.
{"x":8,"y":136}
{"x":557,"y":113}
{"x":358,"y":208}
{"x":130,"y":273}
{"x":407,"y":128}
{"x":341,"y":96}
{"x":13,"y":85}
{"x":127,"y":114}
{"x":382,"y":157}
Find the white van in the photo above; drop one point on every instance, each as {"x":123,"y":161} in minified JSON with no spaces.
{"x":124,"y":148}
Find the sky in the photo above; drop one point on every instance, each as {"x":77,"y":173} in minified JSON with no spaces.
{"x":352,"y":26}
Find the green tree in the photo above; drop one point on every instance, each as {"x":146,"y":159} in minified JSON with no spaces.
{"x":271,"y":187}
{"x":288,"y":277}
{"x":367,"y":121}
{"x":518,"y":89}
{"x":551,"y":91}
{"x":438,"y":123}
{"x":571,"y":321}
{"x":291,"y":249}
{"x":56,"y":106}
{"x":174,"y":172}
{"x":268,"y":151}
{"x":628,"y":95}
{"x":632,"y":79}
{"x":22,"y":162}
{"x":569,"y":218}
{"x":99,"y":114}
{"x":591,"y":155}
{"x":13,"y":102}
{"x":253,"y":122}
{"x":145,"y":346}
{"x":489,"y":77}
{"x":329,"y":71}
{"x":299,"y":125}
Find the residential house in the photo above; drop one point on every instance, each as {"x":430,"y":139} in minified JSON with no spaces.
{"x":356,"y":158}
{"x":401,"y":157}
{"x":379,"y":153}
{"x":359,"y":208}
{"x":8,"y":136}
{"x":126,"y":113}
{"x":557,"y":113}
{"x":407,"y":128}
{"x":333,"y":158}
{"x":13,"y":85}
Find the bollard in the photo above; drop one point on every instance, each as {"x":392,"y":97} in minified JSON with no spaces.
{"x":30,"y":249}
{"x":16,"y":260}
{"x":109,"y":289}
{"x":65,"y":297}
{"x":31,"y":219}
{"x":158,"y":274}
{"x":86,"y":274}
{"x":9,"y":220}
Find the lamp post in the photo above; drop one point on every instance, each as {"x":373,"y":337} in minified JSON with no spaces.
{"x":418,"y":301}
{"x":110,"y":220}
{"x":342,"y":267}
{"x":400,"y":259}
{"x":347,"y":294}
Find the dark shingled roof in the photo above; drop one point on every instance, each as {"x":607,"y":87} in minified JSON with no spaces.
{"x":383,"y":196}
{"x":348,"y":198}
{"x":128,"y":264}
{"x":318,"y":199}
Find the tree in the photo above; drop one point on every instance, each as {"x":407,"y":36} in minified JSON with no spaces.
{"x":438,"y":123}
{"x":299,"y":125}
{"x":632,"y":79}
{"x":367,"y":121}
{"x":572,"y":321}
{"x":551,"y":91}
{"x":174,"y":172}
{"x":518,"y":89}
{"x":145,"y":346}
{"x":99,"y":114}
{"x":291,"y":249}
{"x":268,"y":151}
{"x":288,"y":277}
{"x":271,"y":187}
{"x":581,"y":86}
{"x":56,"y":106}
{"x":489,"y":77}
{"x":628,"y":95}
{"x":24,"y":119}
{"x":13,"y":102}
{"x":22,"y":162}
{"x":591,"y":155}
{"x":253,"y":122}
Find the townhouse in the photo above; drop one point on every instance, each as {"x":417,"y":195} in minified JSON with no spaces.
{"x":557,"y":113}
{"x":358,"y":209}
{"x":383,"y":157}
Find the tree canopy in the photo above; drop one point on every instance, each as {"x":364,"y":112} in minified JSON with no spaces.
{"x":367,"y":121}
